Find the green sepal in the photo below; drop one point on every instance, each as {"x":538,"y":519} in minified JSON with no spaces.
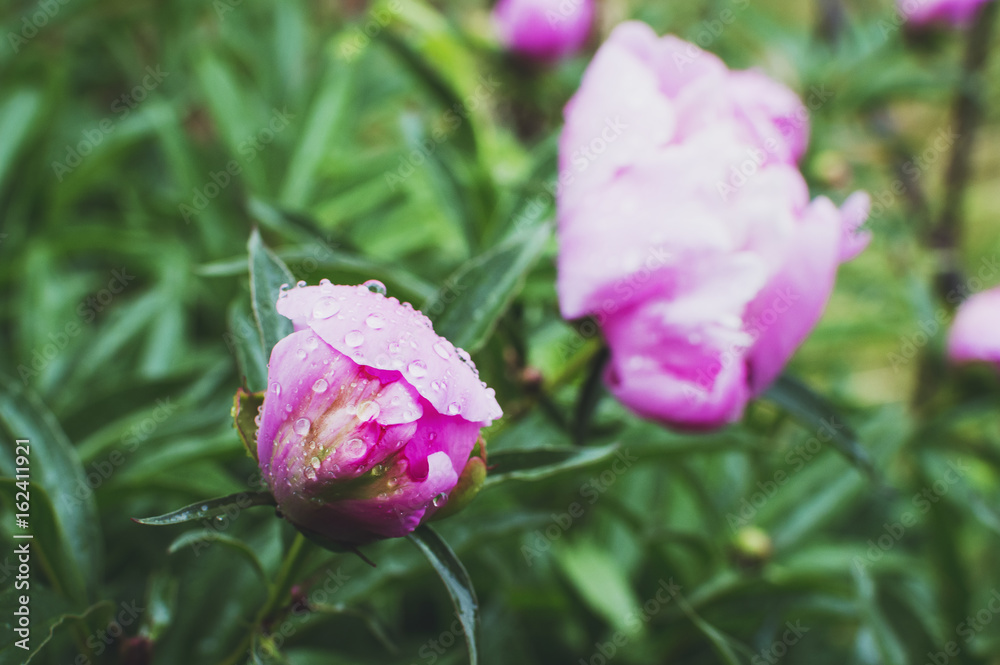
{"x":246,"y":406}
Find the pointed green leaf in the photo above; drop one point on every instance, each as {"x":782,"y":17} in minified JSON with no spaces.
{"x":540,"y":463}
{"x":456,"y":580}
{"x":202,"y":536}
{"x":204,"y":510}
{"x":816,"y":414}
{"x":474,"y":298}
{"x":56,"y":467}
{"x":267,"y":274}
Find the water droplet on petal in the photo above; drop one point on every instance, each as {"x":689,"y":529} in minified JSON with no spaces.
{"x":442,"y":350}
{"x":417,"y":369}
{"x":439,"y":500}
{"x":355,"y":448}
{"x":354,"y":339}
{"x":301,"y":354}
{"x":325,"y":282}
{"x":300,"y":283}
{"x":301,"y":426}
{"x":320,"y":386}
{"x":288,"y":408}
{"x":315,"y":463}
{"x":375,"y":322}
{"x":375,"y":286}
{"x":276,"y":388}
{"x":204,"y":507}
{"x":310,"y":473}
{"x":454,"y":408}
{"x":312,"y":343}
{"x":325,"y":308}
{"x":368,"y":411}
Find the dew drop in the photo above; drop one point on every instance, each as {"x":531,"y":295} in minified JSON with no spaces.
{"x":310,"y":473}
{"x":314,"y":462}
{"x":204,"y":507}
{"x":375,"y":322}
{"x":354,"y":339}
{"x":325,"y":308}
{"x":417,"y":369}
{"x":442,"y":350}
{"x":375,"y":286}
{"x":354,"y":448}
{"x":325,"y":283}
{"x":276,"y":388}
{"x":368,"y":411}
{"x":439,"y":500}
{"x":288,"y":408}
{"x":320,"y":386}
{"x":454,"y":408}
{"x":302,"y":426}
{"x":256,"y":420}
{"x":301,"y":354}
{"x":300,"y":284}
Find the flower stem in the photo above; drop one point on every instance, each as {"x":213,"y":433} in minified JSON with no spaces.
{"x":967,"y":113}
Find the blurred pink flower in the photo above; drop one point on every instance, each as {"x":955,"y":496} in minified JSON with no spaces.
{"x":975,"y":333}
{"x":956,"y":12}
{"x":544,"y":29}
{"x":369,"y":418}
{"x":686,"y":229}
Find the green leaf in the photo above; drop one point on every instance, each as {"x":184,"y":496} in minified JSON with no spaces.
{"x":17,"y":115}
{"x":600,"y":580}
{"x":267,"y":275}
{"x":539,"y":463}
{"x":456,"y":580}
{"x":323,"y":127}
{"x":467,"y":308}
{"x":204,"y":536}
{"x":203,"y":510}
{"x":55,"y":466}
{"x":53,"y":554}
{"x":816,"y":414}
{"x":243,"y":339}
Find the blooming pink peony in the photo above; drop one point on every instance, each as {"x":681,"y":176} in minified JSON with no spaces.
{"x":544,"y":29}
{"x":975,"y":333}
{"x":687,"y":232}
{"x":370,"y":417}
{"x":956,"y":12}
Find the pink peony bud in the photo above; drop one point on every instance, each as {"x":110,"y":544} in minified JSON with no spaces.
{"x":370,"y":417}
{"x":686,"y":229}
{"x":975,"y":333}
{"x":544,"y":29}
{"x":956,"y":12}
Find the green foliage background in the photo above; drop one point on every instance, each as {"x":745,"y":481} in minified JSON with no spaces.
{"x":125,"y":326}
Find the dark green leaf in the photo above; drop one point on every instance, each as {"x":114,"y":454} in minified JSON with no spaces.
{"x":456,"y":581}
{"x":474,"y":298}
{"x":540,"y":463}
{"x":56,"y":467}
{"x":817,"y":415}
{"x":203,"y":510}
{"x":267,"y":275}
{"x":205,"y":536}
